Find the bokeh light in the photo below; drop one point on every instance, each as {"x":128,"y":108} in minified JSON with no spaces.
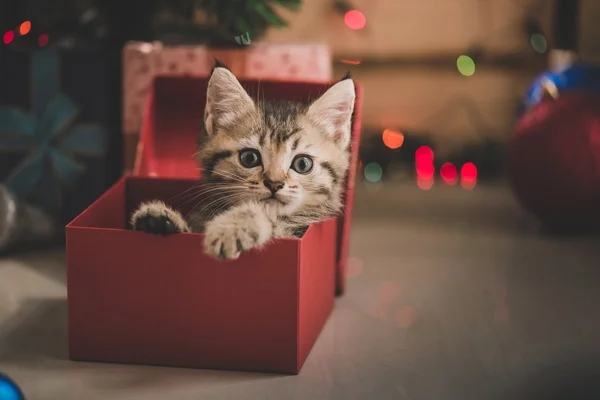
{"x":424,"y":155}
{"x":354,"y":267}
{"x":43,"y":40}
{"x":406,"y":316}
{"x":350,"y":62}
{"x":465,"y":65}
{"x":25,"y":28}
{"x":448,"y":173}
{"x":354,"y":19}
{"x":425,"y":170}
{"x":468,"y":185}
{"x":539,"y":43}
{"x":424,"y":183}
{"x":392,"y":139}
{"x":373,"y":172}
{"x":8,"y":37}
{"x":468,"y":172}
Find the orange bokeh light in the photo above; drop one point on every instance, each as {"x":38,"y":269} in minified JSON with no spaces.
{"x":392,"y":139}
{"x":354,"y":19}
{"x":25,"y":28}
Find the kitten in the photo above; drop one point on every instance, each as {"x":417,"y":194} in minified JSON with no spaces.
{"x":277,"y":167}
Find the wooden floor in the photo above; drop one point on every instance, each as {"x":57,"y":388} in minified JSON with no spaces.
{"x":452,"y":295}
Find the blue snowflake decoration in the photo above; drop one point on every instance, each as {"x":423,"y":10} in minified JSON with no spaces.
{"x":50,"y":138}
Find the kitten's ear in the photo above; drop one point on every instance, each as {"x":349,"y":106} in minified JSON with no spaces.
{"x":226,"y":100}
{"x":333,"y":111}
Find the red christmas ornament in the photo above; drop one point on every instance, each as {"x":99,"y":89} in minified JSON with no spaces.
{"x":554,"y":160}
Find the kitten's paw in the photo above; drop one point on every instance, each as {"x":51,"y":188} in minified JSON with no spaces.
{"x":157,"y":218}
{"x":228,"y":235}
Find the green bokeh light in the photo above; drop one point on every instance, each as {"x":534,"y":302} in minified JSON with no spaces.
{"x":539,"y":43}
{"x":465,"y":65}
{"x":373,"y":172}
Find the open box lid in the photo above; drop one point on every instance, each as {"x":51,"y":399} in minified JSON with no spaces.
{"x":171,"y":127}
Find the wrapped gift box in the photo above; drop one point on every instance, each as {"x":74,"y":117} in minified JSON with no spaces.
{"x":58,"y":127}
{"x":138,"y":298}
{"x":143,"y":61}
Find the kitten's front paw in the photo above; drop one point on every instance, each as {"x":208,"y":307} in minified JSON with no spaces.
{"x":227,"y":236}
{"x":157,"y":218}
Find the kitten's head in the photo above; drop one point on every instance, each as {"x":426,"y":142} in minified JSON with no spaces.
{"x":291,"y":156}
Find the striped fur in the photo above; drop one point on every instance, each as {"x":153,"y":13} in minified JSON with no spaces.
{"x":239,"y":212}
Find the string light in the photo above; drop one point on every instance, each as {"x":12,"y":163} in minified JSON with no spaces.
{"x":25,"y":28}
{"x":468,"y":172}
{"x":43,"y":40}
{"x":392,"y":139}
{"x":373,"y":172}
{"x":465,"y":65}
{"x":449,"y":174}
{"x":539,"y":43}
{"x":355,"y":20}
{"x":8,"y":37}
{"x":424,"y":155}
{"x":425,"y":183}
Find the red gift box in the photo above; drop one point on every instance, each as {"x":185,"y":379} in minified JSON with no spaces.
{"x":144,"y":299}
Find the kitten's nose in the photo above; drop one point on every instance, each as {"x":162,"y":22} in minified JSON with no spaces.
{"x":273,"y":186}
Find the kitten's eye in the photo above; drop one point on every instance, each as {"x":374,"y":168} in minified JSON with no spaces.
{"x":302,"y":164}
{"x":250,"y":158}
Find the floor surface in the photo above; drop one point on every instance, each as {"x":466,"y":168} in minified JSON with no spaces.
{"x":451,"y":295}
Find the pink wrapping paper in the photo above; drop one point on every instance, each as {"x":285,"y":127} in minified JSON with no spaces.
{"x":143,"y":61}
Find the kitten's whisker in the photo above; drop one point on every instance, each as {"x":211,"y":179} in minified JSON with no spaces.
{"x":230,"y":175}
{"x":196,"y":186}
{"x":220,"y":190}
{"x":223,"y":199}
{"x":211,"y":188}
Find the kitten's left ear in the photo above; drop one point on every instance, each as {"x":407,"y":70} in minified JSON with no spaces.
{"x":226,"y":100}
{"x":333,"y":111}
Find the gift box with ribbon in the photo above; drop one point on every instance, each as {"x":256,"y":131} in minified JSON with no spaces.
{"x":54,"y":128}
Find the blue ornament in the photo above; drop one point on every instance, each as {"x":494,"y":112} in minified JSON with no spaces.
{"x":50,"y":138}
{"x":9,"y":390}
{"x":577,"y":76}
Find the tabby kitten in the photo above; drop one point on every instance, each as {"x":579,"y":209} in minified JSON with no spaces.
{"x":277,"y":167}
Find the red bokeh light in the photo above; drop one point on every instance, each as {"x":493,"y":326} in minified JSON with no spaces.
{"x":468,"y":172}
{"x":448,"y":173}
{"x":354,"y":19}
{"x":425,"y":170}
{"x":8,"y":37}
{"x":424,"y":183}
{"x":424,"y":155}
{"x":43,"y":40}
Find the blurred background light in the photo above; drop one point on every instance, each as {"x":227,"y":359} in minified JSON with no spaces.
{"x":392,"y":138}
{"x":448,"y":173}
{"x":24,"y":28}
{"x":373,"y":172}
{"x":539,"y":43}
{"x":354,"y":19}
{"x":465,"y":65}
{"x":8,"y":37}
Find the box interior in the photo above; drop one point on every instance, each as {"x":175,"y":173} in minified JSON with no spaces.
{"x":113,"y":209}
{"x":174,"y":114}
